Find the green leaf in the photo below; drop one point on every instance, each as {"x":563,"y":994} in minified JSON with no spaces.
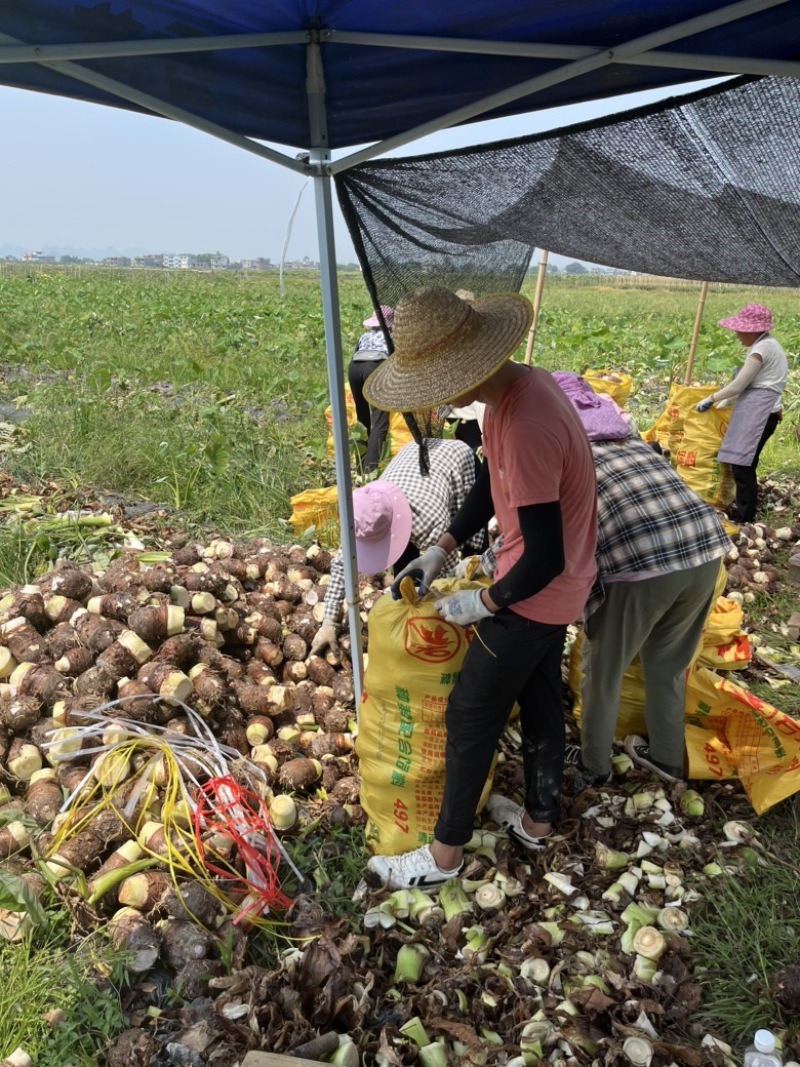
{"x":15,"y":891}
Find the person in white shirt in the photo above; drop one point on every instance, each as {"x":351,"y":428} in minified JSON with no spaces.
{"x":756,"y":389}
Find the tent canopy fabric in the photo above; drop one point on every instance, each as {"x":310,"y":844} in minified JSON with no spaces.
{"x":704,"y":188}
{"x":244,"y":64}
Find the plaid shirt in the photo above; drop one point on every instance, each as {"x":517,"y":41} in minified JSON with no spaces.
{"x":371,"y":346}
{"x":649,"y":520}
{"x":434,"y":500}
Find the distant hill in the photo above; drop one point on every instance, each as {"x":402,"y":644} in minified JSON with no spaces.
{"x":68,"y":250}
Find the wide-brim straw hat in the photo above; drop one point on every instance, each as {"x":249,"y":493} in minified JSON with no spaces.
{"x":445,"y":346}
{"x":753,"y":318}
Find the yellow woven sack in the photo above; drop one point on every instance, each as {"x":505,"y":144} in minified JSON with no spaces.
{"x":414,"y":660}
{"x":398,"y":435}
{"x":730,"y":733}
{"x":693,"y":440}
{"x":724,"y":646}
{"x":614,"y":383}
{"x":318,"y":508}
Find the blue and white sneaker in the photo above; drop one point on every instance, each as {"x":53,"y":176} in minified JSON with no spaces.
{"x":412,"y":870}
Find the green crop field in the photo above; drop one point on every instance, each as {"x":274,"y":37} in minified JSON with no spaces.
{"x":206,"y":393}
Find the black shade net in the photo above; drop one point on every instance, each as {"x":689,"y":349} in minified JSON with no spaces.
{"x":706,"y":187}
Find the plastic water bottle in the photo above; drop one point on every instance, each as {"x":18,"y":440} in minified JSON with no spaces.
{"x":762,"y":1053}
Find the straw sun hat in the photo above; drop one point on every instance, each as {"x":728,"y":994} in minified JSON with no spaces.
{"x":445,"y":346}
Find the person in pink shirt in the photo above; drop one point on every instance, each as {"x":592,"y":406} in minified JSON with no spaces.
{"x":538,"y":480}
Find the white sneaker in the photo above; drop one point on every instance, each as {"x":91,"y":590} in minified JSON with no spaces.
{"x":417,"y":869}
{"x":508,"y":817}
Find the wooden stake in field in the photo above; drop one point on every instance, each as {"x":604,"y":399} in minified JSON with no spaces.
{"x":537,"y":303}
{"x":687,"y":380}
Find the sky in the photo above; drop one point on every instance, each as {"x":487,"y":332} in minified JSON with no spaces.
{"x":84,"y":176}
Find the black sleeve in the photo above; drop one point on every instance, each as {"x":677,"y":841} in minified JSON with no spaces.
{"x":476,"y":511}
{"x":542,"y":558}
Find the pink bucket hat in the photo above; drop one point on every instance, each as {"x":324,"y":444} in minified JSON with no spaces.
{"x":754,"y":318}
{"x":374,"y":322}
{"x":382,"y":519}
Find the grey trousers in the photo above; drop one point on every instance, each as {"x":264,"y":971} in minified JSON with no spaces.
{"x":661,"y":619}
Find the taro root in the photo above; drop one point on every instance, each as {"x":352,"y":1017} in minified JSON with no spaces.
{"x":94,"y":631}
{"x":72,"y":582}
{"x":24,"y":642}
{"x":241,"y":634}
{"x":28,"y":603}
{"x":265,"y":625}
{"x":80,"y":851}
{"x":159,"y":578}
{"x":347,"y":790}
{"x":183,"y":941}
{"x":299,"y":773}
{"x":143,"y":890}
{"x":172,"y":685}
{"x":154,"y":622}
{"x":207,"y":685}
{"x":259,"y":729}
{"x":61,"y":608}
{"x":259,"y":673}
{"x":20,"y":713}
{"x":343,"y":688}
{"x":97,"y":681}
{"x":130,"y":931}
{"x":61,"y":638}
{"x":14,"y":837}
{"x":44,"y":796}
{"x":7,"y":662}
{"x":320,"y":671}
{"x":319,"y":558}
{"x":128,"y":852}
{"x":191,"y":900}
{"x":331,"y":744}
{"x":229,"y":668}
{"x":180,"y":650}
{"x":294,"y":671}
{"x":294,"y":647}
{"x":268,"y":652}
{"x":113,"y":605}
{"x":253,"y":699}
{"x":74,"y":661}
{"x":187,"y":556}
{"x":203,"y":579}
{"x":234,"y":735}
{"x":125,"y":656}
{"x":24,"y":759}
{"x":38,"y":680}
{"x":334,"y":719}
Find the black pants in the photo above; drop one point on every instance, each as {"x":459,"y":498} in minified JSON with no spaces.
{"x":744,"y":508}
{"x":509,"y":659}
{"x":375,"y":421}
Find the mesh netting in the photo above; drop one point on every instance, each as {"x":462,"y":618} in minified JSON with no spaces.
{"x":704,"y":188}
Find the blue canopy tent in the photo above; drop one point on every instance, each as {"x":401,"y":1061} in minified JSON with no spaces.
{"x":322,"y":76}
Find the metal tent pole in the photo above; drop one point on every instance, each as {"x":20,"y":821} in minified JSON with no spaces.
{"x":537,"y":303}
{"x":319,"y":159}
{"x":695,"y":333}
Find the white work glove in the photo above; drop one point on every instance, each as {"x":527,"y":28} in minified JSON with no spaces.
{"x":325,"y":637}
{"x":465,"y":607}
{"x":468,"y":567}
{"x":426,"y":568}
{"x":704,"y":405}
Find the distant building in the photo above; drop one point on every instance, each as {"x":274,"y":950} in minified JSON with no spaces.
{"x":183,"y":261}
{"x":117,"y":261}
{"x":151,"y":260}
{"x":37,"y":257}
{"x":257,"y":264}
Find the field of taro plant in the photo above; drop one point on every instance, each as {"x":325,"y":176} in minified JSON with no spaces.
{"x":160,"y":711}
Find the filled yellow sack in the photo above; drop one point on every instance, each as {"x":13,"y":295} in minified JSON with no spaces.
{"x":730,"y":733}
{"x":724,"y":645}
{"x":318,"y":508}
{"x":399,"y":433}
{"x":414,"y":659}
{"x":693,"y":440}
{"x":614,"y":383}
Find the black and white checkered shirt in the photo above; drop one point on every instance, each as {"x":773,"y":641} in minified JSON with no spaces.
{"x":434,"y":500}
{"x":649,"y":520}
